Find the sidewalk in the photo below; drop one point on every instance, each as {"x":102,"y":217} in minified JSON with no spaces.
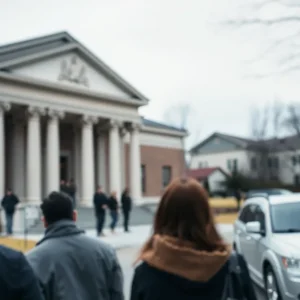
{"x":136,"y":237}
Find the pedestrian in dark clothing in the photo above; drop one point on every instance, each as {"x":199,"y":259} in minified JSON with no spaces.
{"x":126,"y":208}
{"x":114,"y":210}
{"x":17,"y":280}
{"x":238,"y":197}
{"x":71,"y":190}
{"x":63,"y":186}
{"x":100,"y":204}
{"x":69,"y":264}
{"x":9,"y":203}
{"x":186,"y":258}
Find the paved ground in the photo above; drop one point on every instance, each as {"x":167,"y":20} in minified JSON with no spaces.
{"x":140,"y":215}
{"x":127,"y":256}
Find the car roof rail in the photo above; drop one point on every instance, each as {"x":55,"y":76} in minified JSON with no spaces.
{"x":259,"y":195}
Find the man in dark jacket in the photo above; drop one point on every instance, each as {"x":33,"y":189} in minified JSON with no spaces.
{"x":17,"y":280}
{"x":126,"y":208}
{"x":69,"y":264}
{"x":100,"y":204}
{"x":9,"y":203}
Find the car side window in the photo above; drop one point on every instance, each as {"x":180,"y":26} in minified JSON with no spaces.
{"x":243,"y":215}
{"x":260,"y":217}
{"x":247,"y":215}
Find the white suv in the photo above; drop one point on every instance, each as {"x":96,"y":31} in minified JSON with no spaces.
{"x":267,"y":234}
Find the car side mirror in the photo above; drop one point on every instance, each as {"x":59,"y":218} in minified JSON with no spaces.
{"x":254,"y":227}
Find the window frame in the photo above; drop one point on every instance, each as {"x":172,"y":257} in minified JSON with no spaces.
{"x":163,"y":169}
{"x":143,"y":178}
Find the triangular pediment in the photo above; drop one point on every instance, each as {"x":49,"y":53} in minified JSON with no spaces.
{"x":60,"y":59}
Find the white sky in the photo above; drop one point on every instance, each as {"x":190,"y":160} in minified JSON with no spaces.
{"x":173,"y":51}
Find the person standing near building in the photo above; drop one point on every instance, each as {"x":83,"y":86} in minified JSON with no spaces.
{"x":17,"y":280}
{"x":9,"y":203}
{"x":100,"y":204}
{"x":126,"y":208}
{"x":71,"y":187}
{"x":69,"y":264}
{"x":113,"y":207}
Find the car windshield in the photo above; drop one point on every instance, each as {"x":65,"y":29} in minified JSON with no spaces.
{"x":285,"y":217}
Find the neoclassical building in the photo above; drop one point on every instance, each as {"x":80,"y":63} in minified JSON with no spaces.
{"x":65,"y":114}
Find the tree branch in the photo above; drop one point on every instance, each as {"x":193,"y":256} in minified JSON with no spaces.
{"x":265,"y":22}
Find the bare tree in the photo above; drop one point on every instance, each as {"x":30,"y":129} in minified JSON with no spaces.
{"x":178,"y":115}
{"x":266,"y":124}
{"x":284,"y":49}
{"x":292,"y":120}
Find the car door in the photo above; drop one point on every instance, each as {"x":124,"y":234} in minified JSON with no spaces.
{"x":240,"y":231}
{"x":256,"y":244}
{"x":248,"y":240}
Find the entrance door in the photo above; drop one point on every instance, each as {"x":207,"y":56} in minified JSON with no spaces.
{"x":64,"y":167}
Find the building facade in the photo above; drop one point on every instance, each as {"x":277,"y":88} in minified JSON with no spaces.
{"x":65,"y":114}
{"x":278,"y":158}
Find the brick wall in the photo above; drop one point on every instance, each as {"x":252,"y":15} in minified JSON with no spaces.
{"x":154,"y":158}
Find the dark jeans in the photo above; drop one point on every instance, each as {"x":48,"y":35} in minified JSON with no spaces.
{"x":9,"y":222}
{"x":100,"y":222}
{"x":126,"y":214}
{"x":114,"y":219}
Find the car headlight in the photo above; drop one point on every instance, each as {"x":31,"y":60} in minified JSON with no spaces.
{"x":292,"y":265}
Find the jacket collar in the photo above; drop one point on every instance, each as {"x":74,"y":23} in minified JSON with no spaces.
{"x":61,"y":229}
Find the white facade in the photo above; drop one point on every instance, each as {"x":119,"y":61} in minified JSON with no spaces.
{"x":224,"y":151}
{"x":215,"y":180}
{"x":47,"y":91}
{"x":221,"y":160}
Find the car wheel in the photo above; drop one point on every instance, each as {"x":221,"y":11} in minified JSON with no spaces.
{"x":271,"y":285}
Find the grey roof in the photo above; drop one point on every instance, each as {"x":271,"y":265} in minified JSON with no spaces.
{"x":24,"y":52}
{"x":290,"y":143}
{"x":158,"y":125}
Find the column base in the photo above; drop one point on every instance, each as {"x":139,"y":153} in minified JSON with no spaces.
{"x":85,"y":204}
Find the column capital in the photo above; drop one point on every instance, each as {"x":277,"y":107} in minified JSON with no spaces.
{"x":53,"y":114}
{"x":135,"y":127}
{"x":114,"y":124}
{"x":123,"y":132}
{"x":5,"y":106}
{"x":86,"y":119}
{"x":35,"y":111}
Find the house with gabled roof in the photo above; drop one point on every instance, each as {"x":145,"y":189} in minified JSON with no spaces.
{"x":64,"y":113}
{"x":232,"y":153}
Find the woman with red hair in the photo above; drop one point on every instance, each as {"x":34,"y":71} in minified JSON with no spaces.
{"x":186,"y":258}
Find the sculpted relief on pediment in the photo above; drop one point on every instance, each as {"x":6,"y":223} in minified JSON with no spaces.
{"x":72,"y":70}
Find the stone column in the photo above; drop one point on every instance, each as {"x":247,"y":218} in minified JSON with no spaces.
{"x":87,"y":161}
{"x":135,"y":163}
{"x":18,"y":157}
{"x":77,"y":160}
{"x":53,"y":149}
{"x":101,"y":159}
{"x":33,"y":161}
{"x":123,"y":133}
{"x":114,"y":158}
{"x":4,"y":106}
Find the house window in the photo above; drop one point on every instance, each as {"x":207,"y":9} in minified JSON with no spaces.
{"x":253,"y":164}
{"x":297,"y":179}
{"x":166,"y":175}
{"x":294,"y":160}
{"x":235,"y":165}
{"x":229,"y":164}
{"x":270,"y":162}
{"x":143,"y":178}
{"x":276,"y":162}
{"x":200,"y":165}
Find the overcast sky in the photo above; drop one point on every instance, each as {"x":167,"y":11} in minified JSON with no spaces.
{"x":173,"y":51}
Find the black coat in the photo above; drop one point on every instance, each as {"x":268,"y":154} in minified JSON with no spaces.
{"x":9,"y":203}
{"x":126,"y":202}
{"x":113,"y":203}
{"x":17,"y":280}
{"x":152,"y":284}
{"x":100,"y":199}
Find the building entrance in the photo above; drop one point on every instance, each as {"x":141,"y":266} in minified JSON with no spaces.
{"x":64,"y":167}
